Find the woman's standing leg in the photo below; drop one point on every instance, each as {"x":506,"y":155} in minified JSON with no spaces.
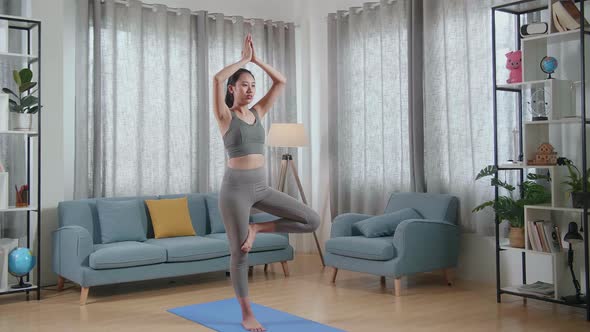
{"x":234,"y":204}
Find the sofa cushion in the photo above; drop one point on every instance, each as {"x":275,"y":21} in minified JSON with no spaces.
{"x":263,"y":242}
{"x":191,"y":248}
{"x":125,"y":254}
{"x":170,"y":217}
{"x":385,"y":224}
{"x":377,"y":249}
{"x":197,"y":210}
{"x":120,"y":220}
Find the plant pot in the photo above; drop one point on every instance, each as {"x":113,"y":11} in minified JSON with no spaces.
{"x":516,"y":237}
{"x":578,"y":199}
{"x":21,"y":121}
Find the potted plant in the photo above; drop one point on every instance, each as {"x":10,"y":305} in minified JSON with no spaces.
{"x":576,"y":182}
{"x":24,"y":104}
{"x":512,"y":209}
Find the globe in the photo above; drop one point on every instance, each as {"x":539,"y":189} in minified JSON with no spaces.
{"x":20,"y":262}
{"x":548,"y":65}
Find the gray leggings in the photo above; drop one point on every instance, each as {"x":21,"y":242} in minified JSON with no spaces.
{"x":240,"y":190}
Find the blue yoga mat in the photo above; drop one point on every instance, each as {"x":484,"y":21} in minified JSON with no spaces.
{"x":226,"y":316}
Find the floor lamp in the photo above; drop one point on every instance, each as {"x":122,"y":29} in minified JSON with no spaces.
{"x":288,"y":135}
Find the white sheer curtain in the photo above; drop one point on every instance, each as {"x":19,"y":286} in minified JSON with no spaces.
{"x":369,"y":106}
{"x":143,"y":105}
{"x":458,"y":130}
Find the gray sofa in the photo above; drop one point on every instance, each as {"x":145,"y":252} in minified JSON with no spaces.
{"x":79,"y":255}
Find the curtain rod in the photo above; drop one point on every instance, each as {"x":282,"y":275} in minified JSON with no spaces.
{"x":179,"y":10}
{"x":372,"y":5}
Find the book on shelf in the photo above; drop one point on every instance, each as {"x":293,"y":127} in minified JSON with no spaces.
{"x":537,"y":288}
{"x":566,"y":16}
{"x":544,"y":236}
{"x":551,"y":237}
{"x":534,"y":236}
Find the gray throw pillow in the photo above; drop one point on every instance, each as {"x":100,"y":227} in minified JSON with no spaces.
{"x":120,"y":220}
{"x":385,"y":224}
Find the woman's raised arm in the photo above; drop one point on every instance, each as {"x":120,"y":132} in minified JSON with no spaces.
{"x":220,"y":109}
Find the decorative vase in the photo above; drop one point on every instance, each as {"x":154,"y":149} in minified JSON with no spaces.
{"x":578,"y":199}
{"x":516,"y":237}
{"x":21,"y":121}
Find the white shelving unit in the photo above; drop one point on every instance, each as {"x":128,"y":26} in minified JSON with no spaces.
{"x":31,"y":32}
{"x":564,"y":95}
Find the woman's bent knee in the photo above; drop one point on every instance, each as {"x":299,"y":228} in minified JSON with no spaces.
{"x":313,"y":221}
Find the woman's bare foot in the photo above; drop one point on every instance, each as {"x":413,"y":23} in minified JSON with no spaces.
{"x":252,"y":230}
{"x":251,"y":324}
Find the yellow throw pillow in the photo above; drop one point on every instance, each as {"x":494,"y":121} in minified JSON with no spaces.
{"x":170,"y":217}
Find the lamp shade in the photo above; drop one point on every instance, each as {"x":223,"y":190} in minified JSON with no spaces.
{"x":287,"y":135}
{"x":573,"y":236}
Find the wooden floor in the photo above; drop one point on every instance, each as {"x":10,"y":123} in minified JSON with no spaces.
{"x":357,"y":302}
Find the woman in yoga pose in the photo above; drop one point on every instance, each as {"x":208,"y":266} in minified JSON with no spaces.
{"x":244,"y":182}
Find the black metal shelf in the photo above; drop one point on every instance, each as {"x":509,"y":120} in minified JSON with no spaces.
{"x":30,"y":26}
{"x":518,"y":8}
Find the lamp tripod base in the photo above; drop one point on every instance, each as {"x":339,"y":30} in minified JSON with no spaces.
{"x":286,"y":164}
{"x":574,"y":299}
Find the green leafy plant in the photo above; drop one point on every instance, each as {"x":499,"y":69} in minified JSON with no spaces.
{"x":509,"y":208}
{"x":575,"y":176}
{"x":24,"y":101}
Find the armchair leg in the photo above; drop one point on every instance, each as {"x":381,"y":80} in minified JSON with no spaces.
{"x":382,"y":280}
{"x":84,"y":295}
{"x":285,"y":268}
{"x":397,"y":284}
{"x":334,"y":275}
{"x":449,"y":276}
{"x":265,"y":267}
{"x":60,"y":283}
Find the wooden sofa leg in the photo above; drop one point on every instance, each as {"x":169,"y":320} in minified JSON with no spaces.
{"x":449,"y":276}
{"x":84,"y":295}
{"x":265,"y":267}
{"x":382,"y":280}
{"x":60,"y":283}
{"x":285,"y":268}
{"x":250,"y":270}
{"x":334,"y":275}
{"x":397,"y":284}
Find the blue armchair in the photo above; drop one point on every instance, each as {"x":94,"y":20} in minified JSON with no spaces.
{"x":416,"y":245}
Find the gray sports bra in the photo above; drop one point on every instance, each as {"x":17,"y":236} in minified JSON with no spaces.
{"x":242,"y":138}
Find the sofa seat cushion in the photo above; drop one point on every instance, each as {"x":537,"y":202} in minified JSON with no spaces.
{"x":125,"y":254}
{"x":377,"y":249}
{"x":263,"y":242}
{"x":191,"y":248}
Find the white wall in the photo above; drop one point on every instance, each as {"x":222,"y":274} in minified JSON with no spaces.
{"x":278,"y":10}
{"x":57,"y":81}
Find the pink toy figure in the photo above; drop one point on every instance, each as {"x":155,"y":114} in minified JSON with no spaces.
{"x":513,"y":63}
